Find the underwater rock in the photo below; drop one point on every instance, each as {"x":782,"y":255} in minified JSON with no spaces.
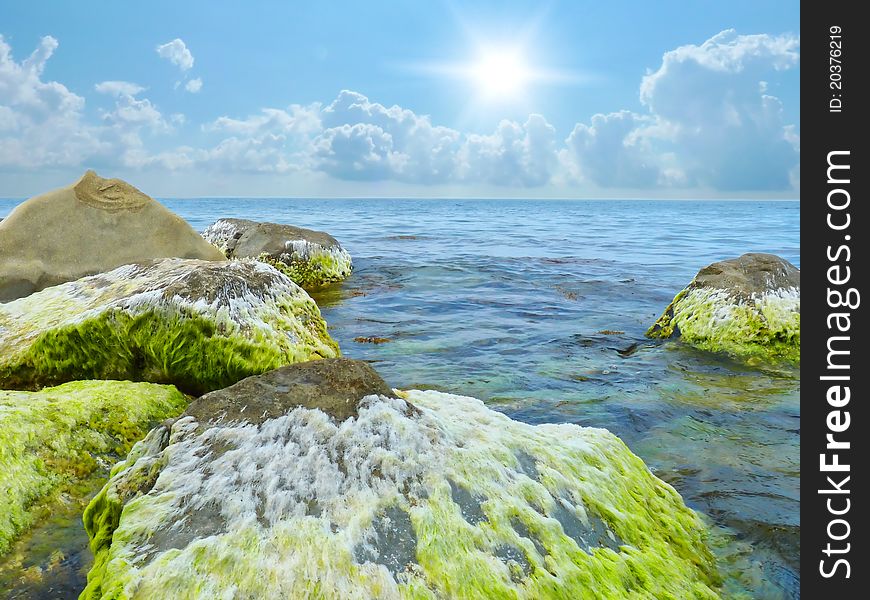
{"x":52,"y":439}
{"x":429,"y":495}
{"x":89,"y":227}
{"x":200,"y":325}
{"x":747,"y":307}
{"x":310,"y":258}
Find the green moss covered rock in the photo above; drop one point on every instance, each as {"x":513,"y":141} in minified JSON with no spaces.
{"x":54,"y":438}
{"x":748,"y":307}
{"x":429,"y":495}
{"x":89,"y":227}
{"x":200,"y":325}
{"x":310,"y":258}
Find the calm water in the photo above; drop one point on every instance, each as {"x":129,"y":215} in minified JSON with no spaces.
{"x":539,"y":308}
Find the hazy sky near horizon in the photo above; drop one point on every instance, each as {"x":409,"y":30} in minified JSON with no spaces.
{"x":526,"y":99}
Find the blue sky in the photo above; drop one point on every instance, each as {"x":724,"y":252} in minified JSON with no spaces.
{"x":559,"y":99}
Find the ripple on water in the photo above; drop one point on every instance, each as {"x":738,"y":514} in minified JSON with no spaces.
{"x":507,"y":301}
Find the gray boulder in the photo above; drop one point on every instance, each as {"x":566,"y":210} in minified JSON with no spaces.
{"x":316,"y":480}
{"x":748,"y":307}
{"x":201,"y":325}
{"x":310,"y":258}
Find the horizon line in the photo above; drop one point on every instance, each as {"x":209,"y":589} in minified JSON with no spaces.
{"x":524,"y":198}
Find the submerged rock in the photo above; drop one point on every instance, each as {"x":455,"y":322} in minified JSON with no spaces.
{"x":198,"y":324}
{"x":52,"y":439}
{"x":310,"y":258}
{"x":89,"y":227}
{"x":748,"y":307}
{"x":425,"y":496}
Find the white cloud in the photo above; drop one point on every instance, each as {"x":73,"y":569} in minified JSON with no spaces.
{"x":118,"y":88}
{"x":366,"y":140}
{"x":130,"y":110}
{"x":45,"y":118}
{"x":359,"y":151}
{"x":610,"y":153}
{"x":194,"y":85}
{"x":515,"y":155}
{"x":711,"y":122}
{"x":127,"y":122}
{"x":177,"y":53}
{"x":273,"y":141}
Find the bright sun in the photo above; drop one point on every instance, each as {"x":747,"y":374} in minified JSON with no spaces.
{"x":500,"y":72}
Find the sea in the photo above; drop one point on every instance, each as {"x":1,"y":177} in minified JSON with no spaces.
{"x":539,"y":308}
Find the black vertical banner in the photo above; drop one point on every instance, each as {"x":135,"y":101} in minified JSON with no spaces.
{"x":835,"y":428}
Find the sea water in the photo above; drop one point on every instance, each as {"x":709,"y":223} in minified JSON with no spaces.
{"x":539,"y":308}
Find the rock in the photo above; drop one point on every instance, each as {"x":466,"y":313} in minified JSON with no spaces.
{"x":201,"y":325}
{"x":333,"y":385}
{"x":310,"y":258}
{"x":427,"y":496}
{"x":748,"y":307}
{"x":89,"y":227}
{"x":52,"y":439}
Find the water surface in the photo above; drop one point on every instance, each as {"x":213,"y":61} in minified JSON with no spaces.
{"x":539,"y":309}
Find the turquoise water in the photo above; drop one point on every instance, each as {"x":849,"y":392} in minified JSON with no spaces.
{"x":539,"y":308}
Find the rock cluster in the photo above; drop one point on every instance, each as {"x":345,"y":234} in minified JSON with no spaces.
{"x":296,"y":473}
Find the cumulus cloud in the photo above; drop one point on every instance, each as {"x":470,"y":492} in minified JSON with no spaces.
{"x":364,"y":140}
{"x":42,"y":120}
{"x":515,"y":155}
{"x":271,"y":141}
{"x":177,"y":53}
{"x":44,"y":123}
{"x":609,"y":152}
{"x":131,"y":118}
{"x":193,"y":85}
{"x":367,"y":140}
{"x":710,"y":122}
{"x":118,"y":88}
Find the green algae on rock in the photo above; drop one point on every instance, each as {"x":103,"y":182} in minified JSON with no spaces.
{"x":89,"y":227}
{"x":310,"y":258}
{"x":429,"y":495}
{"x":200,"y":325}
{"x":748,"y":307}
{"x":52,"y":439}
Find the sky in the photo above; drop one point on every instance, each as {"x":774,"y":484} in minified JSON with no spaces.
{"x":667,"y":99}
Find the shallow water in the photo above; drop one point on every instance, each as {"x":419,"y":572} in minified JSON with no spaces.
{"x":539,"y":308}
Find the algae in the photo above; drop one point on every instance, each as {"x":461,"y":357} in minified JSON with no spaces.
{"x":164,"y":323}
{"x":762,"y":327}
{"x":55,"y":438}
{"x":314,"y":269}
{"x":449,"y":500}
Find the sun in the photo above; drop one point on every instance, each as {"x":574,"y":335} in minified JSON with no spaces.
{"x":500,"y":72}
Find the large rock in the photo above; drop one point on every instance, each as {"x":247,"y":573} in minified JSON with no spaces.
{"x":748,"y":307}
{"x":54,"y":438}
{"x":332,"y":385}
{"x":310,"y":258}
{"x":201,"y":325}
{"x":89,"y":227}
{"x":314,"y":482}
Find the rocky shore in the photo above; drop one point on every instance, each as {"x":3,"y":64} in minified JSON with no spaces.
{"x":245,"y":458}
